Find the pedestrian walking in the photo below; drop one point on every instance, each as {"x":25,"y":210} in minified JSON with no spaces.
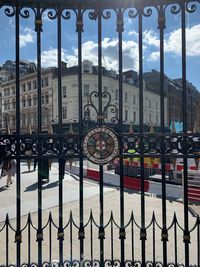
{"x":44,"y":172}
{"x":35,"y":164}
{"x":9,"y":170}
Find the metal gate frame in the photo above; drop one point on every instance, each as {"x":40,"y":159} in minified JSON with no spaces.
{"x":70,"y":145}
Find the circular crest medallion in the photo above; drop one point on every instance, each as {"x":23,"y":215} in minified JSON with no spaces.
{"x":100,"y":145}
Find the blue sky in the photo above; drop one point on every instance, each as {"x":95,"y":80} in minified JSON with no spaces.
{"x":109,"y":42}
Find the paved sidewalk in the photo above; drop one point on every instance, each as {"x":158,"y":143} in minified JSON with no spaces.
{"x":91,"y":202}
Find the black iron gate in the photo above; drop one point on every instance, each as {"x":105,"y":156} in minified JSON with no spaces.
{"x":65,"y":146}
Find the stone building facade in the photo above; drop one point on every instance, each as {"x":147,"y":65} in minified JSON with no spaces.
{"x":110,"y":87}
{"x":28,"y":101}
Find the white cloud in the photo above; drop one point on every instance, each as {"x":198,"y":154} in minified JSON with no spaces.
{"x":110,"y":53}
{"x":26,"y":37}
{"x":49,"y":58}
{"x":151,"y":38}
{"x":172,"y":42}
{"x":154,"y":56}
{"x":90,"y":52}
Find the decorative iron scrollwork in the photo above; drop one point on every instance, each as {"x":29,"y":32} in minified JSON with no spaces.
{"x":10,"y":11}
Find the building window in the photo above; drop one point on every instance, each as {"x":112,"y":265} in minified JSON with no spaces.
{"x":23,"y":87}
{"x":43,"y":100}
{"x":8,"y":105}
{"x":105,"y":89}
{"x":5,"y":105}
{"x":116,"y":94}
{"x":86,"y":90}
{"x":134,"y":99}
{"x":29,"y":86}
{"x":42,"y":83}
{"x":64,"y":112}
{"x":46,"y":81}
{"x":126,"y":98}
{"x":134,"y":116}
{"x":8,"y":91}
{"x":34,"y":101}
{"x":156,"y":105}
{"x":13,"y":90}
{"x":156,"y":119}
{"x":64,"y":91}
{"x":86,"y":68}
{"x":149,"y":118}
{"x":149,"y":103}
{"x":126,"y":115}
{"x":24,"y":103}
{"x":47,"y":99}
{"x":29,"y":102}
{"x":34,"y":85}
{"x":4,"y":92}
{"x":13,"y":104}
{"x":23,"y":120}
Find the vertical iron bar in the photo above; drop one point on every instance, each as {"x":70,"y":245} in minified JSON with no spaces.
{"x":91,"y":241}
{"x":61,"y":160}
{"x":154,"y":242}
{"x":112,"y":241}
{"x":71,"y":238}
{"x":198,"y":241}
{"x":175,"y":245}
{"x":161,"y":26}
{"x":18,"y":186}
{"x":29,"y":239}
{"x":143,"y":229}
{"x":38,"y":29}
{"x":120,"y":29}
{"x":132,"y":240}
{"x":50,"y":238}
{"x":7,"y":240}
{"x":101,"y":199}
{"x":186,"y":237}
{"x":80,"y":101}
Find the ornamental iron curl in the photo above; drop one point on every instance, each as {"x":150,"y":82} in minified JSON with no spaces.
{"x":190,"y":7}
{"x":52,"y":14}
{"x":106,"y":106}
{"x":133,"y":13}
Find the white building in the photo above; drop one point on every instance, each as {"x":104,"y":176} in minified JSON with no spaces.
{"x":110,"y":84}
{"x":70,"y":105}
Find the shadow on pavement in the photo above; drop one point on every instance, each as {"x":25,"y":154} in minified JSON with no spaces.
{"x":27,"y":171}
{"x":31,"y":187}
{"x":49,"y":185}
{"x":44,"y":186}
{"x":3,"y":188}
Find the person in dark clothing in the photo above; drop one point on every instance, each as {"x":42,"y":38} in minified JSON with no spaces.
{"x":35,"y":164}
{"x":45,"y":170}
